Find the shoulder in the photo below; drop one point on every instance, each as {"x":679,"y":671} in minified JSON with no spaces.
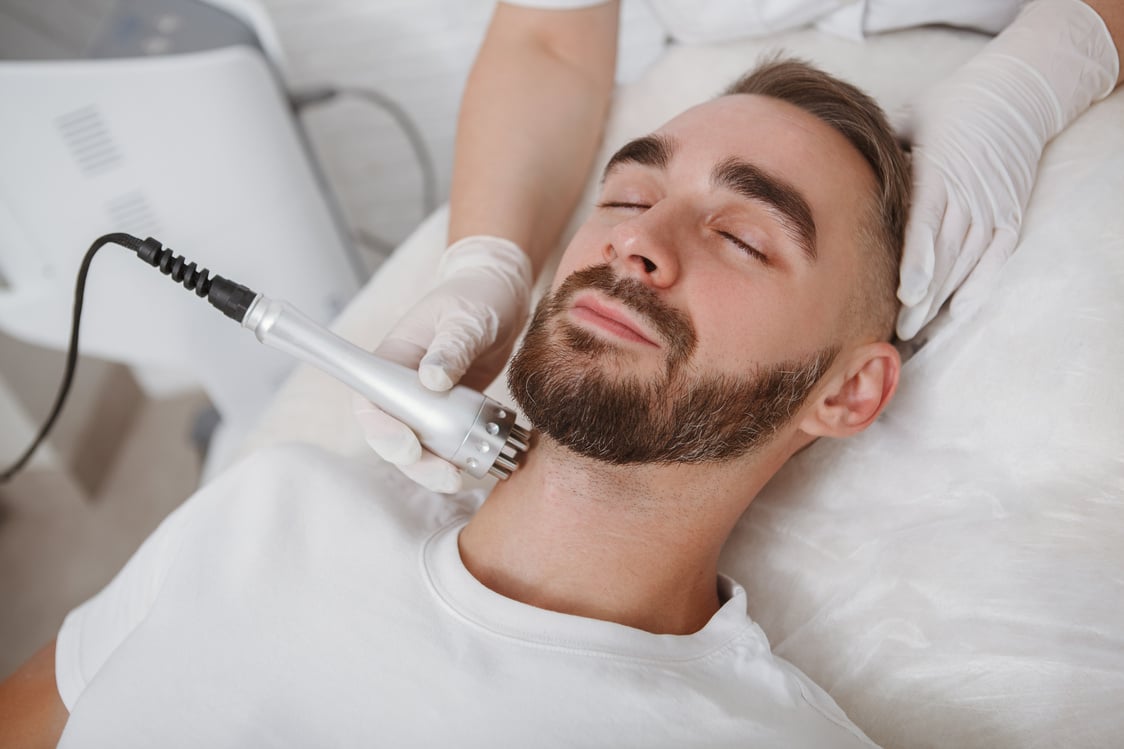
{"x":783,"y":697}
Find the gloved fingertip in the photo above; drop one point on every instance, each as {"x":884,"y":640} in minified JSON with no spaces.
{"x":392,"y":440}
{"x":908,"y":323}
{"x":399,"y":453}
{"x":446,"y":484}
{"x":452,"y":351}
{"x":918,"y":262}
{"x":913,"y":285}
{"x":434,"y":377}
{"x":1004,"y":242}
{"x":434,"y":474}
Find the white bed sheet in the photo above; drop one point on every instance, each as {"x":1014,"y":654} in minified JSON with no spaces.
{"x":955,"y":575}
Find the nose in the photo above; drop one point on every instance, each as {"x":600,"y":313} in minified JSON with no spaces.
{"x":644,"y":247}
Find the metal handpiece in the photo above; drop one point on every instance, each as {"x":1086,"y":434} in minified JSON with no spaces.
{"x":466,"y":428}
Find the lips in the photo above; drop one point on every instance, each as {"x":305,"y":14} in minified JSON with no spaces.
{"x":612,"y":319}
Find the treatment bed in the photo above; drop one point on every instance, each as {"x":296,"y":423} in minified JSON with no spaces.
{"x":954,"y":576}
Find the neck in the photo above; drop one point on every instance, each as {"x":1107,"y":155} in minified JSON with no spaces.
{"x":636,"y":545}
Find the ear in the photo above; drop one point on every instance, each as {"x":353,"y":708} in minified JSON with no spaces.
{"x":851,"y":398}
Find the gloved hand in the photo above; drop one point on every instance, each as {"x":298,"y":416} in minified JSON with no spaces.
{"x":977,"y":139}
{"x":462,"y":330}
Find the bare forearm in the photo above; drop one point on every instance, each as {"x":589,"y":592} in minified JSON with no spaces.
{"x":1112,"y":12}
{"x":31,"y":712}
{"x":530,"y":123}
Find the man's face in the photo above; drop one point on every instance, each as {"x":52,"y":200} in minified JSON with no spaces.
{"x":708,"y":286}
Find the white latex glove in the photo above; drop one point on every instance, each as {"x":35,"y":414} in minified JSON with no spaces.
{"x":977,"y":139}
{"x":462,"y":330}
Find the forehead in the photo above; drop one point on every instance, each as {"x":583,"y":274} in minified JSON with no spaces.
{"x":784,"y":140}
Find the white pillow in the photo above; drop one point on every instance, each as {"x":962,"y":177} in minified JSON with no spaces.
{"x":955,"y":575}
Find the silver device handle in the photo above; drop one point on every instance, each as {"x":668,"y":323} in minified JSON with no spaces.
{"x":466,"y":428}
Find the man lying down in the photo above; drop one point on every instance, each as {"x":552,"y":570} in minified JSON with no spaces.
{"x":728,"y":301}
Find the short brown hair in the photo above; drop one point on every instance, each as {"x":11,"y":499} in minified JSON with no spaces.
{"x":856,"y":116}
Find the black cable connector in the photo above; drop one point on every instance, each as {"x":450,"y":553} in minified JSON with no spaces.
{"x":230,"y":298}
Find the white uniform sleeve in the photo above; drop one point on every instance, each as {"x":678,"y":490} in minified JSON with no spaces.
{"x":91,"y":632}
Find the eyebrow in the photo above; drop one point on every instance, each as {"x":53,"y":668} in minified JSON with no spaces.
{"x":649,"y":150}
{"x":784,"y":201}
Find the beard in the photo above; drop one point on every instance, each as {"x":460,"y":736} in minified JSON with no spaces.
{"x":559,"y":379}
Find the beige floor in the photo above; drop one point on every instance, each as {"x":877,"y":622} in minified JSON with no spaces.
{"x":58,"y":547}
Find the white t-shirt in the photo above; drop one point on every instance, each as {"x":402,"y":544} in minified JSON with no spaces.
{"x":723,"y":20}
{"x":304,"y":600}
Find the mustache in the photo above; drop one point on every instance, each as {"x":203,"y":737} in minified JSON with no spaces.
{"x":672,"y":325}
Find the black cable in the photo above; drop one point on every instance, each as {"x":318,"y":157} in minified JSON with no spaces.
{"x":231,"y":298}
{"x":72,"y":351}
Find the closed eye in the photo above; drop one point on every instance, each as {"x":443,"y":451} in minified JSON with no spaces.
{"x":619,"y":204}
{"x":744,"y":247}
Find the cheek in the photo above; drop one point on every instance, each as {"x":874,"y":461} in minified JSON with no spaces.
{"x":748,"y":323}
{"x":584,"y":250}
